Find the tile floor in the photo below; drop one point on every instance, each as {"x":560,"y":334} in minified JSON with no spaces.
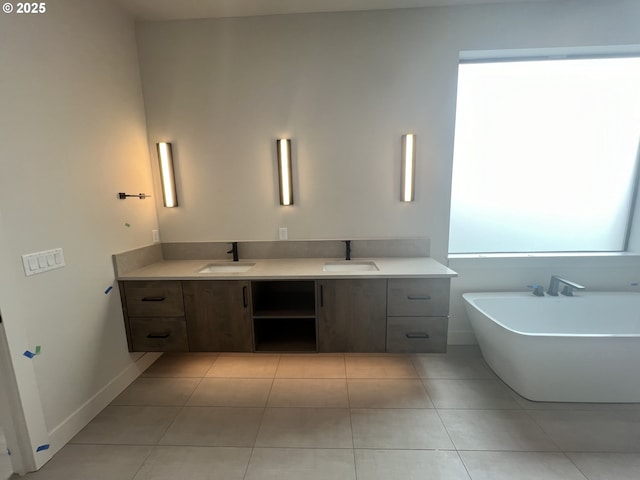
{"x":335,"y":417}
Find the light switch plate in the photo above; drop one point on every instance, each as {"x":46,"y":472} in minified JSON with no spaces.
{"x":41,"y":262}
{"x":155,"y":236}
{"x":283,"y":233}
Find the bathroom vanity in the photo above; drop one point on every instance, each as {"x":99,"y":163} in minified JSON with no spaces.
{"x":381,"y":304}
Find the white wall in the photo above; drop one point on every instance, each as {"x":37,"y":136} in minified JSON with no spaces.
{"x":345,"y":86}
{"x":72,"y":135}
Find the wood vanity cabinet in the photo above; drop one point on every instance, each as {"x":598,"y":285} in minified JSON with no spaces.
{"x":324,"y":315}
{"x":417,"y":315}
{"x":218,"y":315}
{"x":352,"y":315}
{"x":154,"y":316}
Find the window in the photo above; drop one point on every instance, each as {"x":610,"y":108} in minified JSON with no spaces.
{"x":545,"y":155}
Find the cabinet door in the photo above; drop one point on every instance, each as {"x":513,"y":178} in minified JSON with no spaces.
{"x":217,"y":314}
{"x":352,"y":315}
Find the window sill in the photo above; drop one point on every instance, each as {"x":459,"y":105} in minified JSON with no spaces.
{"x":453,"y":256}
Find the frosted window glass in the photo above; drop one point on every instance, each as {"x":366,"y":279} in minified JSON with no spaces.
{"x":545,"y":155}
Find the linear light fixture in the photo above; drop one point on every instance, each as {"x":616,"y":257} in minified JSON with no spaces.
{"x":283,"y":146}
{"x":167,"y":176}
{"x":408,"y":181}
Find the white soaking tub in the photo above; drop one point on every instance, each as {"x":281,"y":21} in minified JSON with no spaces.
{"x":584,"y":348}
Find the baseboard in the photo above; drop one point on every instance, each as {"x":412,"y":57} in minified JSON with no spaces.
{"x":65,"y":431}
{"x":464,"y":337}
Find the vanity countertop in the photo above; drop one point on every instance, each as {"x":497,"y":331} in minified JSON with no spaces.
{"x":293,"y":268}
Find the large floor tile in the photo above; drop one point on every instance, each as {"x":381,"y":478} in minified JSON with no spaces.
{"x":520,"y":466}
{"x":306,"y":392}
{"x":231,"y":392}
{"x":181,"y":365}
{"x":398,"y":429}
{"x":305,"y":428}
{"x":214,"y":426}
{"x":608,"y":466}
{"x":311,"y":366}
{"x":495,"y":430}
{"x":133,"y":425}
{"x":245,"y":366}
{"x":451,"y":366}
{"x":380,"y":367}
{"x":158,"y":391}
{"x":471,"y":393}
{"x":409,"y":464}
{"x":387,"y":393}
{"x":195,"y":463}
{"x":97,"y":462}
{"x":299,"y":463}
{"x":591,"y":431}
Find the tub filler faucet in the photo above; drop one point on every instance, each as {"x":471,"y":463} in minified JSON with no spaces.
{"x":569,"y":286}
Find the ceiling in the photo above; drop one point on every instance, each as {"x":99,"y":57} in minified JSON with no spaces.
{"x":187,"y":9}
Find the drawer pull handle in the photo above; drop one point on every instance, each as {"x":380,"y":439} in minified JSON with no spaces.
{"x":419,"y":297}
{"x":159,"y":298}
{"x":245,"y":304}
{"x":159,"y":335}
{"x":417,"y":335}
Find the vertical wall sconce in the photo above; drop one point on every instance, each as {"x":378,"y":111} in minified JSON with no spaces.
{"x":167,"y":177}
{"x":408,"y":181}
{"x":283,"y":146}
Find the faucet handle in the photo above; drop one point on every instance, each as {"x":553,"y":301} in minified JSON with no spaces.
{"x":538,"y":290}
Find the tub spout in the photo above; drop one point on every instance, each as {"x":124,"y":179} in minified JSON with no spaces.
{"x":554,"y":285}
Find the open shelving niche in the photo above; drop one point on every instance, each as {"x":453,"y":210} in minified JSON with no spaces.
{"x":284,"y":315}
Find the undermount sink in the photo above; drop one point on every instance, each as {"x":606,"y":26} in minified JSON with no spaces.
{"x":350,"y":266}
{"x":227,"y":267}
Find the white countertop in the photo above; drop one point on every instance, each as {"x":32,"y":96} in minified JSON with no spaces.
{"x":291,"y":268}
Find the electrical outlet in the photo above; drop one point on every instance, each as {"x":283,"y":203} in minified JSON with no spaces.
{"x":283,"y":233}
{"x":155,"y":235}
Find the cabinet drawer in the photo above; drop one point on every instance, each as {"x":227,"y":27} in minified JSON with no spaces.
{"x":158,"y":334}
{"x":154,"y":299}
{"x":418,"y":297}
{"x":417,"y":334}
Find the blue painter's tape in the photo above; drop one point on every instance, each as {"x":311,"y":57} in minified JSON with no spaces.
{"x":108,"y":290}
{"x":28,"y":354}
{"x":42,"y":447}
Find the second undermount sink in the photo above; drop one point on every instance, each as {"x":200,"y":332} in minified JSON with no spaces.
{"x":228,"y":267}
{"x":350,"y":266}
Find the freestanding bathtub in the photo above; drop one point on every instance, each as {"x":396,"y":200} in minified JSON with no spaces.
{"x":584,"y":348}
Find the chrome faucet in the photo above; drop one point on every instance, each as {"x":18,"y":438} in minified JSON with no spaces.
{"x":234,"y":251}
{"x":568,"y":286}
